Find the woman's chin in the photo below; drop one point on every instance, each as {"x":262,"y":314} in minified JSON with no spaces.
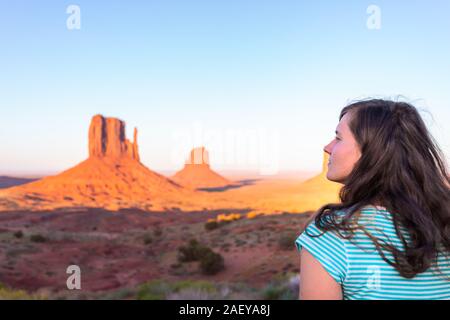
{"x":332,"y":178}
{"x":329,"y":174}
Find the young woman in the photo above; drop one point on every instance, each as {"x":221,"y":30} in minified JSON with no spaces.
{"x":389,"y":237}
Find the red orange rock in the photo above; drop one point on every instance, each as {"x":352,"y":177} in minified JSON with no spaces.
{"x":107,"y":139}
{"x":197,"y":172}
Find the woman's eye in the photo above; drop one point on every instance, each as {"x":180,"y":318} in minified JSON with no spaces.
{"x":337,"y":138}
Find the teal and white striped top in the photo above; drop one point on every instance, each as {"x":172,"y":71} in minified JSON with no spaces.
{"x":358,"y":267}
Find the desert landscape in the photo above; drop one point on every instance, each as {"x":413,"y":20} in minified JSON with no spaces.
{"x":170,"y":150}
{"x":137,"y":234}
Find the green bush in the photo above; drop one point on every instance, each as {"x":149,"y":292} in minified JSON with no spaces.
{"x":120,"y":294}
{"x":273,"y":292}
{"x":160,"y":289}
{"x":278,"y":292}
{"x":153,"y":290}
{"x":282,"y":287}
{"x":158,"y":232}
{"x":214,"y":224}
{"x":11,"y":294}
{"x":175,"y":265}
{"x":192,"y":252}
{"x":211,"y":263}
{"x":211,"y":225}
{"x":18,"y":234}
{"x":38,"y":238}
{"x":189,"y":284}
{"x":148,"y":239}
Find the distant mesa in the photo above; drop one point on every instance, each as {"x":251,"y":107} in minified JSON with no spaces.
{"x":198,"y":156}
{"x":197,"y":173}
{"x":7,"y":182}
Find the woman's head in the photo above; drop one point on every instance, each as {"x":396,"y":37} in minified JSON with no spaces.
{"x":344,"y":151}
{"x":381,"y":138}
{"x":384,"y":155}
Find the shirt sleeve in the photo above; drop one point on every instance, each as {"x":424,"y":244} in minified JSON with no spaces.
{"x":328,"y":249}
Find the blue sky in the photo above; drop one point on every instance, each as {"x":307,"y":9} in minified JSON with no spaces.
{"x":281,"y":70}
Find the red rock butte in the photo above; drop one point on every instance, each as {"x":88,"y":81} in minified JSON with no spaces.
{"x":198,"y":156}
{"x":197,"y":172}
{"x":107,"y":139}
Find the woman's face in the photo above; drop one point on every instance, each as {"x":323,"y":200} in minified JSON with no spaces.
{"x":343,"y":150}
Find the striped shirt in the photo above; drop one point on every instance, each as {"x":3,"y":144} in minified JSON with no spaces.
{"x":360,"y":270}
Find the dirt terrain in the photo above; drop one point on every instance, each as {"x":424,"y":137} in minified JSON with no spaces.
{"x":124,"y":249}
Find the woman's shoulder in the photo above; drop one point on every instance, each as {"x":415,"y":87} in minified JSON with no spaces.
{"x":366,"y":213}
{"x":374,"y":219}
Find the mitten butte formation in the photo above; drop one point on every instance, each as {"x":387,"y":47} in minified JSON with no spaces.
{"x":107,"y":139}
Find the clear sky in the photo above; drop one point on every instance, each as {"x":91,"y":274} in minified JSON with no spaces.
{"x":259,"y":83}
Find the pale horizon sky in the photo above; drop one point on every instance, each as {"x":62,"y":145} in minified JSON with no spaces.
{"x":259,"y":83}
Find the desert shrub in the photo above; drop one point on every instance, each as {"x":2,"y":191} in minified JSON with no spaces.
{"x":211,"y":225}
{"x":148,"y":239}
{"x":286,"y":241}
{"x":120,"y":294}
{"x":279,"y":292}
{"x":18,"y":234}
{"x":158,"y":232}
{"x":11,"y":294}
{"x":159,"y":289}
{"x":273,"y":292}
{"x":189,"y":284}
{"x":190,"y":294}
{"x":153,"y":290}
{"x":253,"y":214}
{"x":288,"y":266}
{"x":282,"y":288}
{"x":220,"y":220}
{"x":192,"y":252}
{"x":228,"y":217}
{"x":38,"y":238}
{"x":211,"y":263}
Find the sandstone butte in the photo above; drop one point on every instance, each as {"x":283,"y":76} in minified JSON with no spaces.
{"x":197,"y":173}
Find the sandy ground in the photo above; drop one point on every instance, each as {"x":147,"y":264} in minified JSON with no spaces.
{"x":110,"y":249}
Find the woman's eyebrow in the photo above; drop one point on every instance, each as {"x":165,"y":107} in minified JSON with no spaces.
{"x":337,"y":132}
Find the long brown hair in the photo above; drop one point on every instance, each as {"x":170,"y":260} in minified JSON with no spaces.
{"x":403,"y":169}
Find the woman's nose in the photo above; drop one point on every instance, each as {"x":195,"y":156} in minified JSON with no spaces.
{"x":327,"y":148}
